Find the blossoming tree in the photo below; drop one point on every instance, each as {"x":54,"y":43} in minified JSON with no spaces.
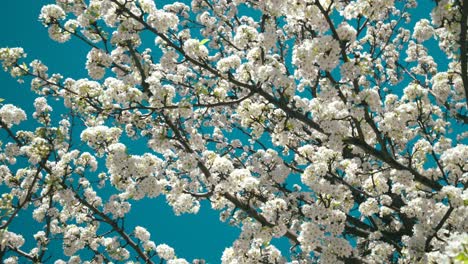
{"x":325,"y":122}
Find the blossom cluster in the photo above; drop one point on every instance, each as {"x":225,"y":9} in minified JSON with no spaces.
{"x":332,"y":124}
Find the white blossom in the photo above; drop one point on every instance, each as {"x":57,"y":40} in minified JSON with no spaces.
{"x":11,"y":115}
{"x":423,"y":30}
{"x":194,"y":49}
{"x":334,"y":125}
{"x":165,"y":252}
{"x":51,"y":14}
{"x":142,"y":234}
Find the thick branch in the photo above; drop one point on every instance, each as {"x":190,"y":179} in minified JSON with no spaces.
{"x":395,"y":164}
{"x":463,"y":49}
{"x":437,"y":228}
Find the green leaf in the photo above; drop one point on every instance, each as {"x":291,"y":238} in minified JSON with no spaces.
{"x":204,"y":41}
{"x":462,"y":257}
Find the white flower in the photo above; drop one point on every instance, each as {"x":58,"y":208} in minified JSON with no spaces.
{"x":43,"y":109}
{"x":165,"y":252}
{"x":324,"y":51}
{"x":117,"y":208}
{"x":149,"y":246}
{"x":40,"y":212}
{"x":121,"y":93}
{"x":457,"y":244}
{"x":369,"y":207}
{"x":346,"y":32}
{"x":184,"y":203}
{"x":99,"y":137}
{"x":423,"y":30}
{"x":242,"y":179}
{"x":11,"y":260}
{"x":455,"y":160}
{"x":71,"y":25}
{"x":163,"y":21}
{"x":244,"y":35}
{"x":10,"y":239}
{"x":9,"y":56}
{"x":11,"y":115}
{"x":194,"y":49}
{"x":310,"y":233}
{"x":86,"y":159}
{"x":58,"y":34}
{"x":178,"y":261}
{"x":273,"y":208}
{"x":228,"y":63}
{"x":441,"y":86}
{"x":74,"y":260}
{"x":222,"y":165}
{"x":148,"y":6}
{"x":51,"y":13}
{"x":97,"y":62}
{"x":381,"y":251}
{"x":142,"y":234}
{"x":86,"y":88}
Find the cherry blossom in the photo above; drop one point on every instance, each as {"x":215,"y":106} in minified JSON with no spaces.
{"x":334,"y":125}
